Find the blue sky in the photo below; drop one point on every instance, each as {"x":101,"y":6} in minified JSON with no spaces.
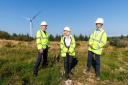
{"x":79,"y":15}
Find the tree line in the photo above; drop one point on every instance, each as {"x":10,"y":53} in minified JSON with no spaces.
{"x":77,"y":37}
{"x":14,"y":36}
{"x":26,"y":37}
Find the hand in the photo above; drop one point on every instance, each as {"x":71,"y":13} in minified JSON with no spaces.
{"x":49,"y":47}
{"x":90,"y":46}
{"x":41,"y":50}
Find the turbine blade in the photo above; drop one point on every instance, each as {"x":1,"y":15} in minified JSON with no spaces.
{"x":26,"y":18}
{"x":36,"y":15}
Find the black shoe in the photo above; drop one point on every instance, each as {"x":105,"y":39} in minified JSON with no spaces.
{"x":67,"y":76}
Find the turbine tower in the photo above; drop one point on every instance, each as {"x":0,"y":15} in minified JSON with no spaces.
{"x":30,"y":19}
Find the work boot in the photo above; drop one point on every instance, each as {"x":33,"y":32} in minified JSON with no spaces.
{"x":67,"y":76}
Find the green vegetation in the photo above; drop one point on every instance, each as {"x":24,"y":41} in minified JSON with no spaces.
{"x":17,"y":60}
{"x":16,"y":66}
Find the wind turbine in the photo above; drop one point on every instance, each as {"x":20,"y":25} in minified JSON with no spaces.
{"x":30,"y":19}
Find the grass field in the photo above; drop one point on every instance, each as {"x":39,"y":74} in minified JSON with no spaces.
{"x":17,"y":60}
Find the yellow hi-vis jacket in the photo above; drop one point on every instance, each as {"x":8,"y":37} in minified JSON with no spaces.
{"x":64,"y":49}
{"x":42,"y":39}
{"x":97,"y":41}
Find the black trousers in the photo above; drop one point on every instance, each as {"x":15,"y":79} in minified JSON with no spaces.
{"x":69,"y":64}
{"x":39,"y":59}
{"x":94,"y":61}
{"x":74,"y":63}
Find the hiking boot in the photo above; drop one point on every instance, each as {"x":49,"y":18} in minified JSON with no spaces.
{"x":67,"y":76}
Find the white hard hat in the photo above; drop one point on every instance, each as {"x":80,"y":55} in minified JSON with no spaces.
{"x":43,"y":23}
{"x":67,"y":28}
{"x":100,"y":20}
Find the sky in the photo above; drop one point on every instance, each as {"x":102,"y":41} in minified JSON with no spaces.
{"x":79,"y":15}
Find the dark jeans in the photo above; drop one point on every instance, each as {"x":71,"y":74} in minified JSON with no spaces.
{"x":74,"y":63}
{"x":69,"y":64}
{"x":43,"y":54}
{"x":94,"y":61}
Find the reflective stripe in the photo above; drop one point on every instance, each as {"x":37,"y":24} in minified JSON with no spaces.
{"x":98,"y":41}
{"x":95,"y":40}
{"x":102,"y":42}
{"x":101,"y":36}
{"x":98,"y":46}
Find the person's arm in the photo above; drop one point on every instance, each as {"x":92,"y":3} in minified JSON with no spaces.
{"x":72,"y":45}
{"x":38,"y":41}
{"x":90,"y":41}
{"x":103,"y":41}
{"x":48,"y":40}
{"x":62,"y":47}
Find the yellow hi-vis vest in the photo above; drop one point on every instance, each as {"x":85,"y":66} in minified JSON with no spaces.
{"x":64,"y":49}
{"x":41,"y":39}
{"x":97,"y":41}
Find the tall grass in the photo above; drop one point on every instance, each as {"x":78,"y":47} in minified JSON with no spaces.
{"x":17,"y":61}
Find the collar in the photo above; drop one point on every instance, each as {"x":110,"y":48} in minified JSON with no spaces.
{"x":101,"y":29}
{"x":42,"y":30}
{"x":67,"y":36}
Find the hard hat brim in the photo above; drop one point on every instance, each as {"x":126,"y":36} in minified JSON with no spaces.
{"x":67,"y":30}
{"x":44,"y":25}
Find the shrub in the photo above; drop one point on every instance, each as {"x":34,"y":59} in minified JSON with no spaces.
{"x":118,"y":43}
